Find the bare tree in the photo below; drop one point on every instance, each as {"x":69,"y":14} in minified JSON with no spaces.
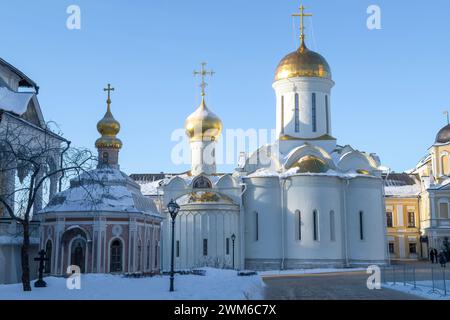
{"x":32,"y":160}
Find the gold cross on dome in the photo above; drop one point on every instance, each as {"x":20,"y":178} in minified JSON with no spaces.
{"x":109,"y":89}
{"x":203,"y":73}
{"x":302,"y":16}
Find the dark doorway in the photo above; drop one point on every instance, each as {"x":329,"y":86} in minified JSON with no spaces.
{"x":116,"y":256}
{"x":78,"y":254}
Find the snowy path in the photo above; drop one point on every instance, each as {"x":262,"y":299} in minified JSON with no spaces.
{"x":215,"y":285}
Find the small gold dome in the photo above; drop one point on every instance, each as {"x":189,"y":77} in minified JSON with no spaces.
{"x":203,"y":124}
{"x":310,"y":164}
{"x":108,"y":127}
{"x":303,"y":63}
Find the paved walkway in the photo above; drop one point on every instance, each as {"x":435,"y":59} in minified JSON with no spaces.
{"x":328,"y":286}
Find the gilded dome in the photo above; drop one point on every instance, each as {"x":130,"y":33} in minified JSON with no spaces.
{"x":303,"y":63}
{"x":443,"y":135}
{"x":108,"y":127}
{"x":203,"y":124}
{"x":310,"y":164}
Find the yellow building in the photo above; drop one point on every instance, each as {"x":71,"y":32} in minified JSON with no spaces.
{"x":402,"y":197}
{"x":418,"y":204}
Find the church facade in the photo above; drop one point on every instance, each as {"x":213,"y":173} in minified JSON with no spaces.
{"x":22,"y":122}
{"x":302,"y":201}
{"x":102,"y":223}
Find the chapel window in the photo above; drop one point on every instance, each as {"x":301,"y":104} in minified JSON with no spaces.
{"x":297,"y":113}
{"x":313,"y":113}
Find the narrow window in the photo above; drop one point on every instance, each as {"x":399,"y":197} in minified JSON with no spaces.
{"x":361,"y":226}
{"x":313,"y":113}
{"x":391,"y":248}
{"x":156,"y":255}
{"x":443,"y":210}
{"x":148,"y":255}
{"x":315,"y":226}
{"x":256,"y":226}
{"x":228,"y":246}
{"x":178,"y":249}
{"x":389,"y":219}
{"x":297,"y":113}
{"x":299,"y":224}
{"x":282,"y":114}
{"x":205,"y":247}
{"x":411,"y":220}
{"x":327,"y":115}
{"x":389,"y":222}
{"x":332,"y":227}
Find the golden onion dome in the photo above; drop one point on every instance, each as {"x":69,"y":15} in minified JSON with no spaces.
{"x":203,"y":124}
{"x":108,"y":127}
{"x":303,"y":63}
{"x":310,"y":164}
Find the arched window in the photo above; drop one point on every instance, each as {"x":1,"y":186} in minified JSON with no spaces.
{"x":156,"y":255}
{"x":256,"y":226}
{"x":332,"y":226}
{"x":444,"y":165}
{"x":361,"y":225}
{"x":297,"y":113}
{"x":443,"y":210}
{"x":282,"y":114}
{"x":313,"y":113}
{"x":139,"y":256}
{"x":48,"y":255}
{"x":298,"y":219}
{"x":315,"y":226}
{"x":78,"y":254}
{"x":116,"y":263}
{"x":327,"y":114}
{"x":202,"y":182}
{"x":105,"y":157}
{"x":148,"y":255}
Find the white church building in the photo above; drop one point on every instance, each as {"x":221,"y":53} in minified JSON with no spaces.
{"x":302,"y":201}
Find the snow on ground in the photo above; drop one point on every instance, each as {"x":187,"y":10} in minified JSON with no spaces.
{"x":215,"y":285}
{"x":422,"y":290}
{"x":307,"y":271}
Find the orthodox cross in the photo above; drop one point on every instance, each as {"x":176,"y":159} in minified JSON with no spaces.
{"x":203,"y":73}
{"x":109,"y":89}
{"x":448,"y":119}
{"x":302,"y":16}
{"x":40,"y":283}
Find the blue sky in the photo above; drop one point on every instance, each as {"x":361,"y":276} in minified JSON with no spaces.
{"x":392,"y":85}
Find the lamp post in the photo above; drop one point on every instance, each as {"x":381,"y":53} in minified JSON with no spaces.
{"x":233,"y":238}
{"x":173,"y":209}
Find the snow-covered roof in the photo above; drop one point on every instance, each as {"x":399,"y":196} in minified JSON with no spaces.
{"x":403,"y":191}
{"x":401,"y":185}
{"x":103,"y":189}
{"x":16,"y":102}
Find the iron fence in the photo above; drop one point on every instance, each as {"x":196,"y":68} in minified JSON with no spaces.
{"x":428,"y":278}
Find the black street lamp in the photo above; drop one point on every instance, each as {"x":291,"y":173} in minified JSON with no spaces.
{"x":233,"y":238}
{"x":173,"y":209}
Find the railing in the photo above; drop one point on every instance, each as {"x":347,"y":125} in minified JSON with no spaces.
{"x":428,"y":278}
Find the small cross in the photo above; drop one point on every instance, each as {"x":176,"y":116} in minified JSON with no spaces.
{"x":109,"y":89}
{"x":302,"y":16}
{"x":203,"y":73}
{"x":448,"y":119}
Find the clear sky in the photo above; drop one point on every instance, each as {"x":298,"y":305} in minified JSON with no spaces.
{"x":392,"y":85}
